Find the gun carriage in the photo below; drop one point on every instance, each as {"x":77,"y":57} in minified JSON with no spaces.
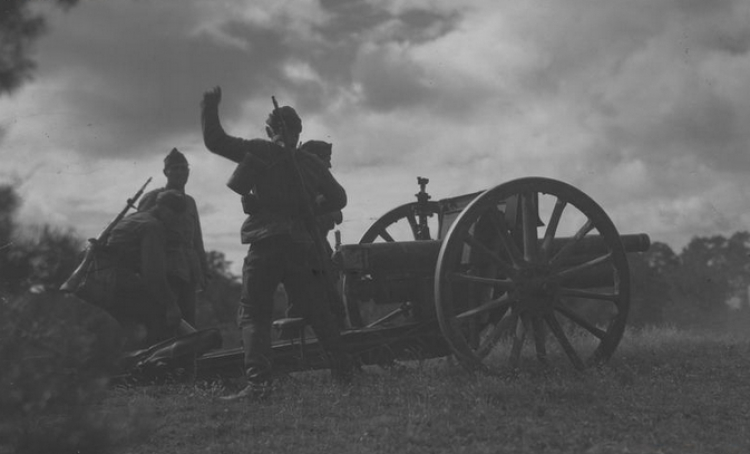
{"x":530,"y":270}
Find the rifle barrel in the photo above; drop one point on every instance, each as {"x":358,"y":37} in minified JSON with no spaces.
{"x":77,"y":277}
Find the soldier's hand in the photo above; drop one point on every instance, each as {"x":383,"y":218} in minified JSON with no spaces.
{"x":212,"y":96}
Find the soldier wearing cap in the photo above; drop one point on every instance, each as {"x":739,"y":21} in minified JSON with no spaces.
{"x":281,"y":250}
{"x":327,"y":221}
{"x":187,"y":269}
{"x":136,"y":246}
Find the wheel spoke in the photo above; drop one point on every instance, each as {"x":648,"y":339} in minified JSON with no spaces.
{"x":513,"y":267}
{"x":497,"y":303}
{"x":505,"y":284}
{"x":540,"y":335}
{"x":588,"y":294}
{"x":492,"y":338}
{"x":413,"y":224}
{"x":386,"y":236}
{"x":580,"y":321}
{"x":502,"y":231}
{"x":529,"y":218}
{"x":554,"y":220}
{"x":584,"y":266}
{"x":565,"y":251}
{"x":477,"y":245}
{"x":557,"y":330}
{"x":518,"y":339}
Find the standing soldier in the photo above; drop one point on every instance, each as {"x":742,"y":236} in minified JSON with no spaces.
{"x":136,"y":249}
{"x":327,"y":221}
{"x":187,"y":268}
{"x":281,"y":248}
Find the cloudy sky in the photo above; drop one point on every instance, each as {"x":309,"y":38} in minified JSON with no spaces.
{"x":642,"y":104}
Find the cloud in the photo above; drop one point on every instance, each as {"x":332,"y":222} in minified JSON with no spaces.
{"x":641,"y":104}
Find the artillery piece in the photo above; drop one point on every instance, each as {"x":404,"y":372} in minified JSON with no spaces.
{"x":532,"y":261}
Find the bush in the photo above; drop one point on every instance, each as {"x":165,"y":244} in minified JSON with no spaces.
{"x":57,"y":352}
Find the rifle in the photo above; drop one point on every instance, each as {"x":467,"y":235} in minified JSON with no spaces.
{"x":79,"y":275}
{"x":312,"y":227}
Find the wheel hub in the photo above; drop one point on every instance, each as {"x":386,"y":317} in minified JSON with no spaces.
{"x":535,"y":291}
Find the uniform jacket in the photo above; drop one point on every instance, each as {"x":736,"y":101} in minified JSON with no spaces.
{"x":275,"y":183}
{"x":137,"y":245}
{"x":186,"y":257}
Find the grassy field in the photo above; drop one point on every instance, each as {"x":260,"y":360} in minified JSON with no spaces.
{"x":664,"y":391}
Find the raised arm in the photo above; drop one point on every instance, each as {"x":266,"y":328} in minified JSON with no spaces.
{"x":216,"y":140}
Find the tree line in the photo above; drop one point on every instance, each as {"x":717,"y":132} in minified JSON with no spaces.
{"x":706,"y":283}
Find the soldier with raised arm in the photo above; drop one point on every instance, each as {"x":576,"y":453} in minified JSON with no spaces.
{"x":187,"y":268}
{"x":281,"y":249}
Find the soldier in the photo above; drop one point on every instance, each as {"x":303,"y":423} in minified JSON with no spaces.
{"x":281,"y":248}
{"x":187,"y":268}
{"x":136,"y":247}
{"x":326,"y":221}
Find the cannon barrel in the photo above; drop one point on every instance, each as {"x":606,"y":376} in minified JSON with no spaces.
{"x":421,"y":256}
{"x":590,"y":248}
{"x":391,"y":272}
{"x":593,"y":246}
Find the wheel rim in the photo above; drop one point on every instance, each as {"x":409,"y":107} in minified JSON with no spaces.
{"x":511,"y":282}
{"x":399,"y":224}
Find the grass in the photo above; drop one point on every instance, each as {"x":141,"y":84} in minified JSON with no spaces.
{"x":664,"y":391}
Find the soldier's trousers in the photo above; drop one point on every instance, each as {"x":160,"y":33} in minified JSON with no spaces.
{"x":134,"y":305}
{"x":186,"y":297}
{"x":269,"y":262}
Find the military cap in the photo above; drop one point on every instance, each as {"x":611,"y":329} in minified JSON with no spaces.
{"x":175,"y":158}
{"x":319,"y":148}
{"x":289,"y":115}
{"x":172,"y":199}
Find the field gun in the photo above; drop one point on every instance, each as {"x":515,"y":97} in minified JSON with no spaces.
{"x":529,"y":269}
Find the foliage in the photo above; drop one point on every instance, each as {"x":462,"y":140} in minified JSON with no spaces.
{"x":9,"y":203}
{"x":20,"y":26}
{"x":217,"y":304}
{"x":43,"y":258}
{"x":56,"y":354}
{"x":35,"y":258}
{"x":650,"y":291}
{"x":695,"y":287}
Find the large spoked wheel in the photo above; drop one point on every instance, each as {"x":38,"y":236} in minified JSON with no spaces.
{"x":532,"y":267}
{"x":397,"y":225}
{"x":401,"y":224}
